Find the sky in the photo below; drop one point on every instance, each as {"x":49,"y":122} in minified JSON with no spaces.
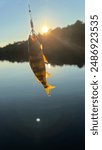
{"x":14,"y":17}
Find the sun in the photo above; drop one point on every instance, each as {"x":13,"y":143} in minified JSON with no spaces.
{"x":45,"y":29}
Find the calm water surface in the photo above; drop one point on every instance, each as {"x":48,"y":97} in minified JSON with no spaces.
{"x":29,"y":119}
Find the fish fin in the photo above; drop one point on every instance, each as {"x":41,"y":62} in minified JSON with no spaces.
{"x":45,"y":59}
{"x":48,"y":75}
{"x":49,"y":89}
{"x":37,"y":79}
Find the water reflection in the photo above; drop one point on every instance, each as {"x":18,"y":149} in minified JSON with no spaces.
{"x":59,"y":61}
{"x":22,"y":102}
{"x":62,"y":56}
{"x":37,"y":119}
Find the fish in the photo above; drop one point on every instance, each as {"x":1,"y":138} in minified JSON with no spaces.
{"x":37,"y":62}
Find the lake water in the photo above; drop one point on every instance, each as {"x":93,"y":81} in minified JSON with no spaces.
{"x":29,"y":119}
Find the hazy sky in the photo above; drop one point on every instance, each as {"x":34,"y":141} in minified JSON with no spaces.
{"x":14,"y":17}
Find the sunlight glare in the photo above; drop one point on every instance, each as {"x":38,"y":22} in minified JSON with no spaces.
{"x":49,"y":66}
{"x":45,"y":29}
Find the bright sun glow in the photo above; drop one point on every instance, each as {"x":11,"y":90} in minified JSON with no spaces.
{"x":45,"y":29}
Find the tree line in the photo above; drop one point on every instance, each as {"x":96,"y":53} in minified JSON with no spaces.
{"x":61,"y":46}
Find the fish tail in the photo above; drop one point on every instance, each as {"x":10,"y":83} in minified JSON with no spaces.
{"x":48,"y":89}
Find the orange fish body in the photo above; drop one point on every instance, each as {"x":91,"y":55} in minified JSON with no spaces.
{"x":37,"y":63}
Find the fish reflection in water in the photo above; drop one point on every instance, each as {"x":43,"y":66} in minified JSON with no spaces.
{"x":37,"y":62}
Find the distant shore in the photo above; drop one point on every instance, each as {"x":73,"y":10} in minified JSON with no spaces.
{"x":61,"y":46}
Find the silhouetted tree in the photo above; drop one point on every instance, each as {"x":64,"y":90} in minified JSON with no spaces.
{"x":61,"y":46}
